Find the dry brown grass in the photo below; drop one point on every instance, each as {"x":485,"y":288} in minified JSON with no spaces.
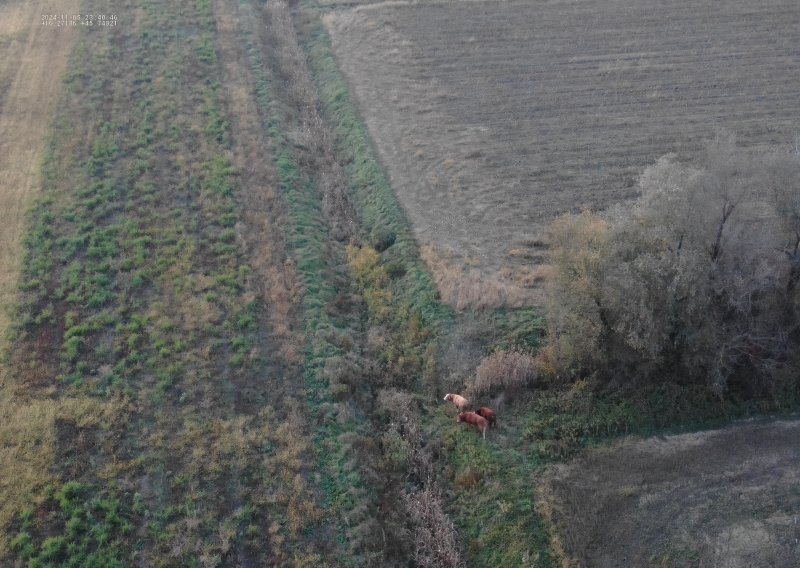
{"x":474,"y":289}
{"x":504,"y":370}
{"x":27,"y":108}
{"x":403,"y":446}
{"x":15,"y":20}
{"x":28,"y":440}
{"x":544,"y":506}
{"x":315,"y":136}
{"x":260,"y":232}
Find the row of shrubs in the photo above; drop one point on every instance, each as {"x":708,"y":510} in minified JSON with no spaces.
{"x":696,"y":282}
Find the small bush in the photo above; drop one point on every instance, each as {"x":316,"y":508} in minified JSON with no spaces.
{"x":366,"y":267}
{"x":504,"y":370}
{"x":395,"y":404}
{"x":395,"y":269}
{"x":371,"y":277}
{"x":344,"y":370}
{"x":395,"y":450}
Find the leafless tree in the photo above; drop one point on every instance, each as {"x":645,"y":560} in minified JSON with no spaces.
{"x":696,"y":280}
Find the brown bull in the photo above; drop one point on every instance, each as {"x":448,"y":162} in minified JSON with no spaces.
{"x":476,"y":420}
{"x":488,"y":413}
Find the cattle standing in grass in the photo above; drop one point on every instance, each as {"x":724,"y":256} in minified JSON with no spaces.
{"x":487,"y":413}
{"x":458,"y":401}
{"x":476,"y":420}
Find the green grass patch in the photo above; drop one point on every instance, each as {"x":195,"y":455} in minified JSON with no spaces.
{"x":93,"y":528}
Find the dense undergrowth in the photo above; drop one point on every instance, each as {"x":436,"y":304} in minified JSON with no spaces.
{"x":316,"y":255}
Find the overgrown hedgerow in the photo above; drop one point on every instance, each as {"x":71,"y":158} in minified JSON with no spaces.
{"x":696,"y":282}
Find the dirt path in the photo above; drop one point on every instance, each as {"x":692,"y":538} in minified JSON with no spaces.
{"x":724,"y":497}
{"x":27,"y":108}
{"x":493,"y":118}
{"x":32,"y":60}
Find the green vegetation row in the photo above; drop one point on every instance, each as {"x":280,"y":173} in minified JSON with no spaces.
{"x":328,"y":330}
{"x":384,"y":222}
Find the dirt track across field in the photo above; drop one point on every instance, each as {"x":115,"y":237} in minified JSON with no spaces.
{"x":32,"y":59}
{"x":725,"y":498}
{"x":492,"y":117}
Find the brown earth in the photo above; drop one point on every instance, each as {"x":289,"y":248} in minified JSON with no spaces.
{"x":32,"y":59}
{"x":723,"y":498}
{"x":492,"y":118}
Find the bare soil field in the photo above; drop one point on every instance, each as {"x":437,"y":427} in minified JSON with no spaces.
{"x":724,"y":498}
{"x":32,"y":58}
{"x":492,"y":118}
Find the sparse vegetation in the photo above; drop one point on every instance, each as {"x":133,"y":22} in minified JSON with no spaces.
{"x":32,"y":63}
{"x":138,"y":296}
{"x":649,"y":488}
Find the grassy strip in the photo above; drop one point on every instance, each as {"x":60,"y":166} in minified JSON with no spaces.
{"x":328,"y":331}
{"x":381,"y":213}
{"x":517,"y":535}
{"x":562,"y":421}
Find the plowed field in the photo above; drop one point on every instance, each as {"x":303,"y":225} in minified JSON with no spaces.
{"x":494,"y":117}
{"x":719,"y":498}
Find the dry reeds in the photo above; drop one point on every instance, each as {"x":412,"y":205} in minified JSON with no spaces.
{"x":504,"y":370}
{"x":263,"y":216}
{"x":434,"y":535}
{"x":473,"y":289}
